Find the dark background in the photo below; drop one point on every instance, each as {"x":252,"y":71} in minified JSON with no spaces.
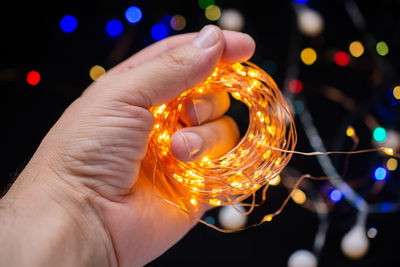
{"x":31,"y":39}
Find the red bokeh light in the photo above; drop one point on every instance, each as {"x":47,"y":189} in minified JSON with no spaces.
{"x":295,"y":86}
{"x":342,"y":58}
{"x":33,"y":77}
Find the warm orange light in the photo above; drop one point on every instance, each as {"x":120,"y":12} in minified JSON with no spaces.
{"x":239,"y":173}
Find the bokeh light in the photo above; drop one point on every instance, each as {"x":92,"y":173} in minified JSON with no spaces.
{"x":386,"y":207}
{"x":356,"y":49}
{"x":159,"y":32}
{"x":372,"y":232}
{"x":396,"y":92}
{"x":299,"y":196}
{"x":335,"y":195}
{"x":308,"y":56}
{"x":379,"y":134}
{"x":133,"y":14}
{"x":298,"y":107}
{"x":350,"y":131}
{"x":231,"y":19}
{"x":300,"y":1}
{"x":392,"y":164}
{"x":33,"y":77}
{"x":382,"y":48}
{"x":393,"y":101}
{"x":68,"y":23}
{"x":205,"y":3}
{"x":178,"y":22}
{"x":295,"y":86}
{"x":380,"y":174}
{"x":341,"y":58}
{"x":213,"y":12}
{"x":275,"y":181}
{"x":96,"y":72}
{"x":210,"y":220}
{"x":114,"y":27}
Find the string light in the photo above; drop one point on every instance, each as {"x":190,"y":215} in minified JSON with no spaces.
{"x":33,"y":77}
{"x":159,"y":32}
{"x":253,"y":164}
{"x":356,"y":49}
{"x":68,"y":23}
{"x":380,"y":174}
{"x":295,"y":86}
{"x":379,"y":134}
{"x":396,"y":92}
{"x":205,"y":3}
{"x":392,"y":164}
{"x":114,"y":27}
{"x":96,"y":72}
{"x":341,"y":58}
{"x":308,"y":56}
{"x":335,"y":195}
{"x":213,"y":12}
{"x":245,"y":169}
{"x":178,"y":22}
{"x":133,"y":14}
{"x":382,"y":48}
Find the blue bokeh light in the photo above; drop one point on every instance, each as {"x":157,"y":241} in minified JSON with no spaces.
{"x":380,"y":174}
{"x":301,"y":1}
{"x":210,"y":220}
{"x":159,"y":32}
{"x":133,"y":14}
{"x":68,"y":23}
{"x":114,"y":27}
{"x":335,"y":195}
{"x":386,"y":207}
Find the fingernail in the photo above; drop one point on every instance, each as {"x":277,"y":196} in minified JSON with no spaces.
{"x":206,"y":38}
{"x":193,"y":142}
{"x":202,"y":110}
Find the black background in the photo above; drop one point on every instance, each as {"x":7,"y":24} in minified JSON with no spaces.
{"x":31,"y":39}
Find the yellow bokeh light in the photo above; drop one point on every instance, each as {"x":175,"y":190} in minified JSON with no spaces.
{"x":356,"y":49}
{"x":96,"y":72}
{"x":213,"y":12}
{"x":308,"y":56}
{"x":392,"y":164}
{"x":178,"y":22}
{"x":350,"y":131}
{"x":396,"y":92}
{"x":275,"y":181}
{"x":299,"y":196}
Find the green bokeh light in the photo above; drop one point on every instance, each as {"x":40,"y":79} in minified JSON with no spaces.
{"x":379,"y":134}
{"x":205,"y":3}
{"x":382,"y":48}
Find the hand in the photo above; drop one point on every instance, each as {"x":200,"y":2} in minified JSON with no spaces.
{"x":84,"y":198}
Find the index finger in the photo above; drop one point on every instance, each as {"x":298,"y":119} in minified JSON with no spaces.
{"x":238,"y":47}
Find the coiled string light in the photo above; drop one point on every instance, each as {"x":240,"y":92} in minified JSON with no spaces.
{"x":258,"y":158}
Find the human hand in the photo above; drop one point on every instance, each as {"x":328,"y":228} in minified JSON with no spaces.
{"x":85,"y":194}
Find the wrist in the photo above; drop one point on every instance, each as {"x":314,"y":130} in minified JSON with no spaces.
{"x":48,"y":222}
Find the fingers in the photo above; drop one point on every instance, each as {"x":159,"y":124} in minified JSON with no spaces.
{"x":212,"y":139}
{"x":204,"y":108}
{"x":167,"y":76}
{"x":239,"y":47}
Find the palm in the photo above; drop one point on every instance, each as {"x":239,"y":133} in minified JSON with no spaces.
{"x":142,"y":222}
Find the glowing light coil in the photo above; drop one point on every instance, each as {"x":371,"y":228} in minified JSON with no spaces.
{"x":253,"y":163}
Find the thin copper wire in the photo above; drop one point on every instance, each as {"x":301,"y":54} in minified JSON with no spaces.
{"x":259,"y":157}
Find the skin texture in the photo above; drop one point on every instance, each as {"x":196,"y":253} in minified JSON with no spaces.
{"x":84,"y":199}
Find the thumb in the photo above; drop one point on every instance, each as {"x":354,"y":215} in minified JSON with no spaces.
{"x":104,"y":134}
{"x":167,"y":76}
